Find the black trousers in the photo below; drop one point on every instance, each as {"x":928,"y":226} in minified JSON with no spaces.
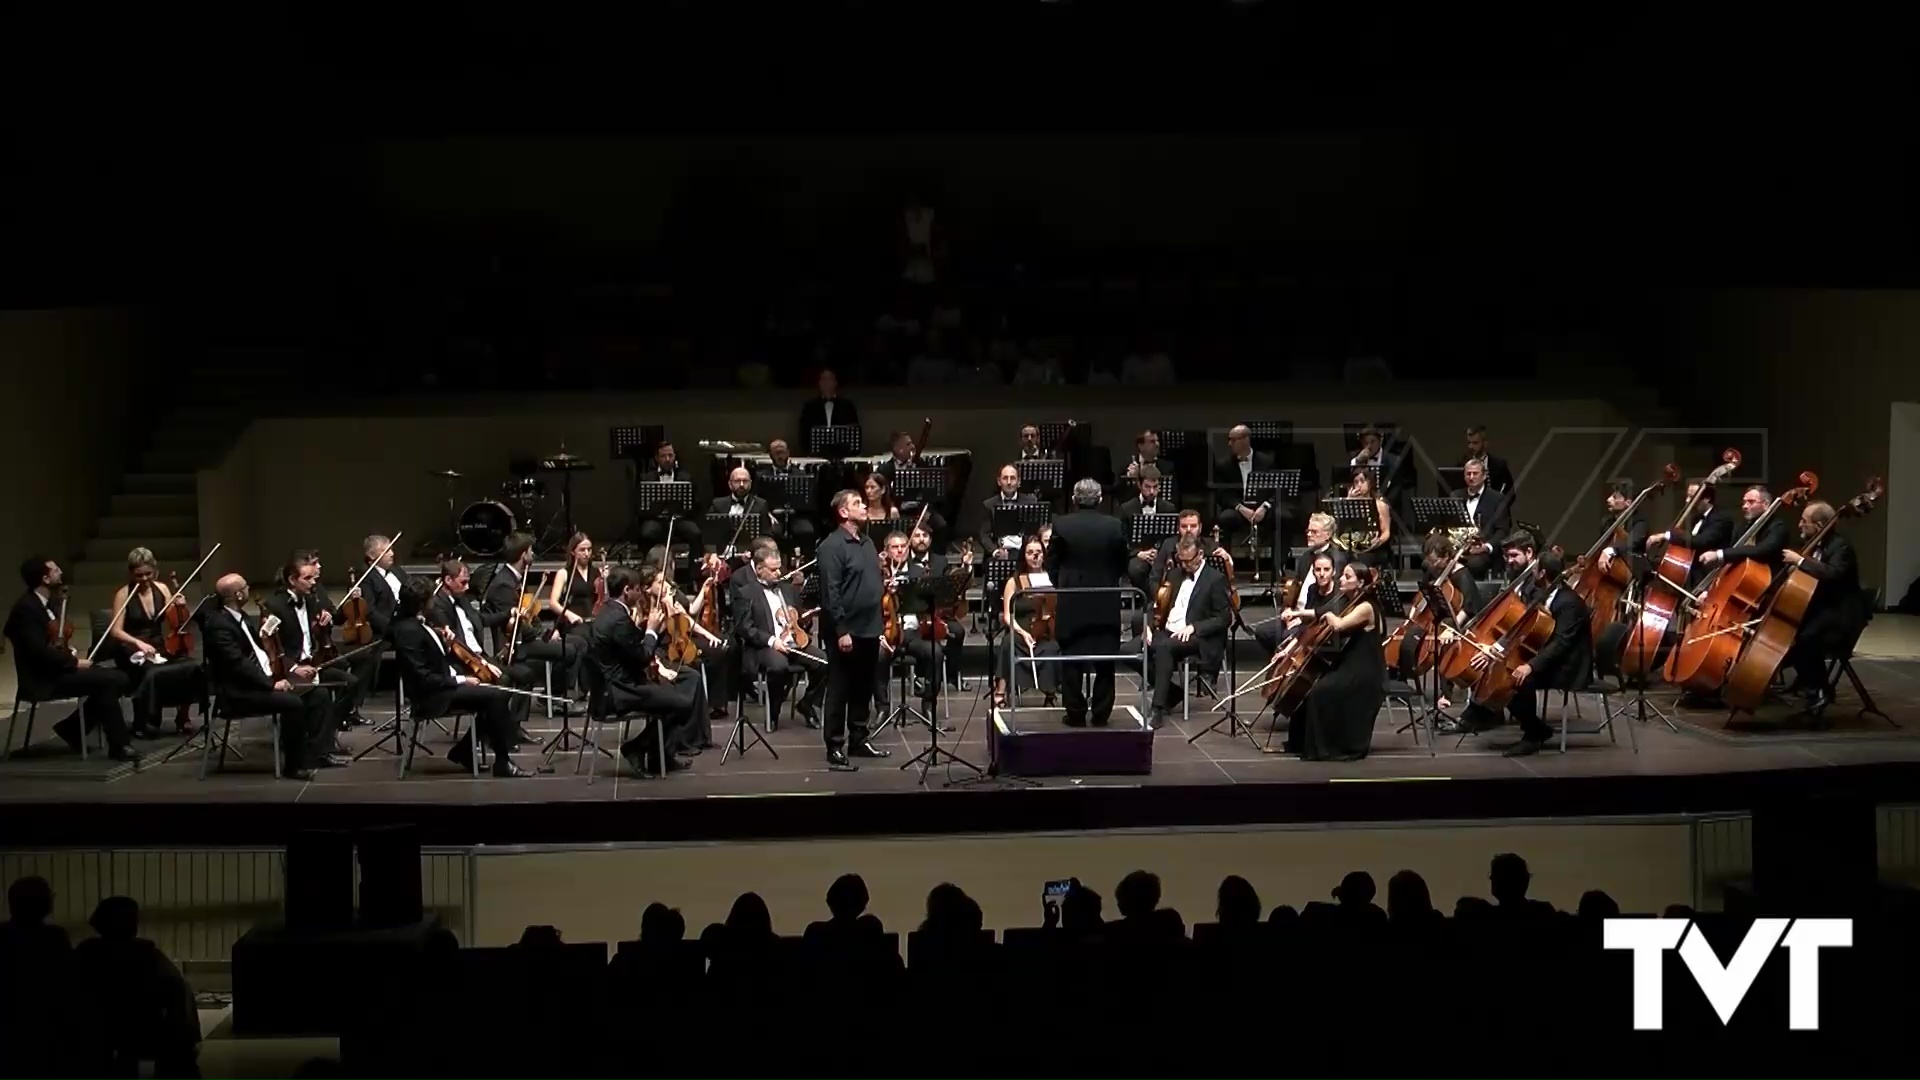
{"x":675,"y":704}
{"x":1140,"y":575}
{"x":306,"y":714}
{"x":154,"y":688}
{"x":492,"y":716}
{"x":365,"y":671}
{"x":1079,"y":704}
{"x":782,"y":670}
{"x":99,"y":690}
{"x":1823,"y":637}
{"x":1163,"y":660}
{"x":563,"y":653}
{"x":1524,"y":708}
{"x":850,"y":679}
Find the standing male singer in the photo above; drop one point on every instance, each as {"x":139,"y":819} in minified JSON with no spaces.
{"x":851,"y":620}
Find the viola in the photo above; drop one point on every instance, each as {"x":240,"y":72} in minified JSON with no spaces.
{"x":1751,"y":675}
{"x":1645,"y":647}
{"x":1603,"y":589}
{"x":60,"y":631}
{"x":354,"y":628}
{"x":176,"y":624}
{"x":1710,"y":642}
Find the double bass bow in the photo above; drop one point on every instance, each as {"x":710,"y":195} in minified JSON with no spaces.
{"x":1780,"y":624}
{"x":1645,"y":648}
{"x":1732,"y":597}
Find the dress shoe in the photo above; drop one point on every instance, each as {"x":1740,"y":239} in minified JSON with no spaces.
{"x":506,"y":769}
{"x":838,"y":762}
{"x":461,"y":755}
{"x":636,"y":761}
{"x":296,"y":774}
{"x":1156,"y":718}
{"x":525,"y":737}
{"x":1817,"y":700}
{"x":866,"y":749}
{"x":124,"y":753}
{"x":335,"y":761}
{"x":808,"y":716}
{"x":1074,"y":720}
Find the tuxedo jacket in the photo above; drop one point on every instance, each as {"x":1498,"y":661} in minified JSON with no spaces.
{"x":1089,"y":550}
{"x":426,"y":667}
{"x":1564,"y":662}
{"x":754,"y":617}
{"x":1493,"y":515}
{"x":441,"y":613}
{"x":1766,"y":545}
{"x":280,"y":604}
{"x":989,"y":542}
{"x":1133,"y":507}
{"x":1226,"y":477}
{"x":620,"y":650}
{"x":813,"y":414}
{"x":231,"y":661}
{"x":1837,"y":569}
{"x":1209,"y":610}
{"x":1711,"y":530}
{"x":381,"y":601}
{"x":36,"y":660}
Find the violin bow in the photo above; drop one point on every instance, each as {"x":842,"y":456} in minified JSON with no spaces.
{"x":105,"y":634}
{"x":364,"y":574}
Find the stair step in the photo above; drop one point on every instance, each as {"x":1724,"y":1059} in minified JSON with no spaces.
{"x":107,"y":549}
{"x":180,"y":460}
{"x":142,"y":529}
{"x":150,"y":505}
{"x":145,"y":483}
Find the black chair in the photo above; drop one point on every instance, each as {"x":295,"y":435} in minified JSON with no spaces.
{"x":1570,"y":704}
{"x":215,"y":715}
{"x":33,"y":703}
{"x":1406,"y":694}
{"x":599,"y":715}
{"x":1842,"y":662}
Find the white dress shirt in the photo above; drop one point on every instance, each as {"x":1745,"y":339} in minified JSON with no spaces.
{"x":1177,"y":616}
{"x":775,"y":605}
{"x":260,"y":654}
{"x":466,"y":626}
{"x":306,"y":624}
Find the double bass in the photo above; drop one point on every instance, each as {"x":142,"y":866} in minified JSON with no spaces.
{"x":1645,"y":647}
{"x":1729,"y":607}
{"x":1751,"y":675}
{"x":1603,"y":589}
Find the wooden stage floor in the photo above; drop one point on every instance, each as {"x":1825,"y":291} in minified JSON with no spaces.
{"x":1698,"y":764}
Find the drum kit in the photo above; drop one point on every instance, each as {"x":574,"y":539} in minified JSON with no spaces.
{"x":483,"y":527}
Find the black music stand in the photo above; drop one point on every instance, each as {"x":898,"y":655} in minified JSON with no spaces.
{"x":732,"y":533}
{"x":1045,"y":477}
{"x":923,"y":484}
{"x":635,"y":442}
{"x":1023,"y":519}
{"x":942,"y":594}
{"x":1279,"y":488}
{"x":1236,"y":728}
{"x":1451,"y":478}
{"x":1150,"y":530}
{"x":566,"y":466}
{"x":834,"y":441}
{"x":799,"y":494}
{"x":1443,"y":614}
{"x":665,"y":496}
{"x":1267,"y":435}
{"x":1446,"y":512}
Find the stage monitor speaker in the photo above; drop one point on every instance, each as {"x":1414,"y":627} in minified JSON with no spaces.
{"x":1813,"y":855}
{"x":390,"y":876}
{"x":319,"y":884}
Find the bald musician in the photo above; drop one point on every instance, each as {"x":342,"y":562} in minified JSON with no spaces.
{"x":242,"y":678}
{"x":740,"y":500}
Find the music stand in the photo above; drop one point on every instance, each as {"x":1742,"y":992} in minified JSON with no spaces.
{"x":566,"y":465}
{"x":1279,"y":488}
{"x":1446,"y":512}
{"x":1236,"y":728}
{"x":799,"y":491}
{"x":1267,"y":435}
{"x":834,"y":441}
{"x":1045,"y":477}
{"x":660,"y":496}
{"x":878,"y":531}
{"x":1054,"y":439}
{"x":1021,"y":519}
{"x":1451,"y":478}
{"x":919,"y":483}
{"x":635,"y":442}
{"x":732,"y":531}
{"x":942,"y":594}
{"x":1443,"y":614}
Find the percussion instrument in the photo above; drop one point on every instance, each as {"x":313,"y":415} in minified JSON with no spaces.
{"x":485,"y":526}
{"x":526,"y":490}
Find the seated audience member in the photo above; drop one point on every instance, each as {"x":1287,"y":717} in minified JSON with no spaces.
{"x":143,"y":1008}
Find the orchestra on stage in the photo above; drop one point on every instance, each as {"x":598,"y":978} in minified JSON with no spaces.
{"x":838,"y":592}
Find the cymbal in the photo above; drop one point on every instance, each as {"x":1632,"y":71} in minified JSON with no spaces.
{"x":444,"y":474}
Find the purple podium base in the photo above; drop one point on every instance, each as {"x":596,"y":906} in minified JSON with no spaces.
{"x":1037,"y":742}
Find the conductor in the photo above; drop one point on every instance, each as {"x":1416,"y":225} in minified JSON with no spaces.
{"x":1089,"y":550}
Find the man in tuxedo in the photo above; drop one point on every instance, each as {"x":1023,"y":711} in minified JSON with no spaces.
{"x":1146,"y":451}
{"x":666,"y":469}
{"x":1563,"y":663}
{"x":923,"y":562}
{"x":1196,"y":626}
{"x":766,"y":641}
{"x":1495,"y":469}
{"x":624,"y":653}
{"x":740,"y":500}
{"x":1489,"y":510}
{"x":1835,"y":614}
{"x":242,"y":678}
{"x":436,"y":687}
{"x":1619,"y":497}
{"x":900,"y":445}
{"x":1320,"y":528}
{"x":1146,"y":501}
{"x":1007,"y":496}
{"x":306,"y":627}
{"x":381,"y":589}
{"x":455,"y":610}
{"x":540,"y":644}
{"x":1088,"y":551}
{"x":1768,"y":546}
{"x":1030,"y":448}
{"x":1710,"y":530}
{"x":1238,"y":513}
{"x":827,"y":410}
{"x":49,"y":671}
{"x":798,"y":521}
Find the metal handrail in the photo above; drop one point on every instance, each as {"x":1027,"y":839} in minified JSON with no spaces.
{"x":1014,"y":659}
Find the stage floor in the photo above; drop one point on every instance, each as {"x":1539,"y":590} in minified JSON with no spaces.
{"x":1699,"y":746}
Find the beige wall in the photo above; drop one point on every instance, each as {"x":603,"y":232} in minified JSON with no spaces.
{"x":1820,"y":368}
{"x":64,"y":412}
{"x":326,"y":483}
{"x":597,"y":895}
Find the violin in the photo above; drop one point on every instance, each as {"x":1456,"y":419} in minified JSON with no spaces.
{"x":60,"y":631}
{"x":1233,"y":594}
{"x":600,"y":586}
{"x":1603,"y":589}
{"x":1752,"y":674}
{"x":1646,"y":645}
{"x":890,"y":606}
{"x":354,"y":628}
{"x":1163,"y":597}
{"x":477,"y":666}
{"x":176,"y":624}
{"x":270,"y":643}
{"x":710,"y":595}
{"x":1300,"y":667}
{"x":788,"y":626}
{"x":1712,"y":640}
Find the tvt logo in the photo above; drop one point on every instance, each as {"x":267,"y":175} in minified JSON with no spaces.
{"x":1726,"y":987}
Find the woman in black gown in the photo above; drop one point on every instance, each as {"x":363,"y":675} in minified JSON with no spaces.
{"x":137,"y":639}
{"x":1335,"y":723}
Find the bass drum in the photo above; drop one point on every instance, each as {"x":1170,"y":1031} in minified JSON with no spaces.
{"x":485,"y":526}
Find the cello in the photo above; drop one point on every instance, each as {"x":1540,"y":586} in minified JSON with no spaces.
{"x":1711,"y":641}
{"x":1425,"y":621}
{"x":1603,"y":589}
{"x":1747,"y":682}
{"x":1512,"y":631}
{"x":1300,"y":668}
{"x":1644,"y":649}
